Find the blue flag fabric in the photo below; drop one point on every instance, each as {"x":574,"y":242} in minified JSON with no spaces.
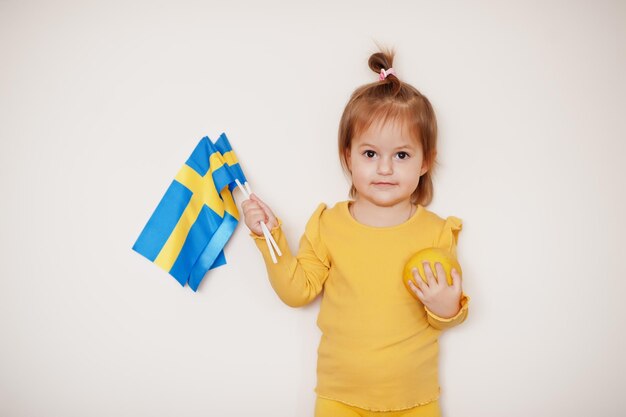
{"x":186,"y":234}
{"x":223,"y":145}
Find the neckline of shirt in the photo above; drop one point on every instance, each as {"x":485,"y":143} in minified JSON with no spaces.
{"x":346,"y":212}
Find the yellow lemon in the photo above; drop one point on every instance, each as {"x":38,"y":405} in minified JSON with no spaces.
{"x":430,"y":255}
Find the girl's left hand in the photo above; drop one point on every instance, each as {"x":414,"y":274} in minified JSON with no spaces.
{"x":441,"y":299}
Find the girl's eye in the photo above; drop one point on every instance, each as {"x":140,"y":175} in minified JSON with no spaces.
{"x":402,"y":155}
{"x":369,"y":154}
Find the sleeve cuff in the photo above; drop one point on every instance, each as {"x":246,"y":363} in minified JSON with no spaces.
{"x":445,"y":323}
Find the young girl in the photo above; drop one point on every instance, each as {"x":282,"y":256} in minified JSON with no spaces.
{"x":378,"y":352}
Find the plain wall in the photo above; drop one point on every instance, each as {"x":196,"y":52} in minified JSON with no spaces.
{"x":101,"y":104}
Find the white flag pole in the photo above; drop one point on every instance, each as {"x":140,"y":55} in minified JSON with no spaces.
{"x":268,"y":236}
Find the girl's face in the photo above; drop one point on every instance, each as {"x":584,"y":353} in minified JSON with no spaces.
{"x":386,"y":164}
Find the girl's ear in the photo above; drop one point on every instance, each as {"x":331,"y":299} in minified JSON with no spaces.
{"x":426,"y":165}
{"x":348,"y":162}
{"x":424,"y":169}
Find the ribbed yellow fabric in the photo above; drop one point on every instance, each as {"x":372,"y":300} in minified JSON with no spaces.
{"x":379,"y":346}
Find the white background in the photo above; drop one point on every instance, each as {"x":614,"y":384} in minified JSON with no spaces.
{"x":100,"y":105}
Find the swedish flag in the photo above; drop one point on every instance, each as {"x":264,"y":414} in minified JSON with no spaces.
{"x":186,"y":234}
{"x":223,"y":145}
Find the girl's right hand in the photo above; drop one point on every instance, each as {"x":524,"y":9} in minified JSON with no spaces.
{"x":255,"y":211}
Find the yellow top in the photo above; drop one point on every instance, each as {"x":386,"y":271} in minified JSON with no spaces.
{"x":379,"y":348}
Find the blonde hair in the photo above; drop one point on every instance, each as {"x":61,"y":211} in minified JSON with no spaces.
{"x":386,"y":100}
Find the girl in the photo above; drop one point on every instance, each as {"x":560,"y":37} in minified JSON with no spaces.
{"x":378,"y":351}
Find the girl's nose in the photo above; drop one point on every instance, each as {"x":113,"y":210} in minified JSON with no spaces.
{"x":384,"y":166}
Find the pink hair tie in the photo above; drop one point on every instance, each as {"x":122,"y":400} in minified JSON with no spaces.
{"x":384,"y":74}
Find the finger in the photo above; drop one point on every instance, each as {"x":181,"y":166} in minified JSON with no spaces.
{"x":417,"y":291}
{"x":456,"y":279}
{"x":442,"y":278}
{"x":254,"y":212}
{"x":256,"y":215}
{"x":253,"y":216}
{"x":417,"y":277}
{"x":256,"y":199}
{"x":268,"y":212}
{"x":254,"y":224}
{"x":430,"y":277}
{"x":247,"y":205}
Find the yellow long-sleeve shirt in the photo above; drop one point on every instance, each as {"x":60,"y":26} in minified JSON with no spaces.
{"x":379,"y":346}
